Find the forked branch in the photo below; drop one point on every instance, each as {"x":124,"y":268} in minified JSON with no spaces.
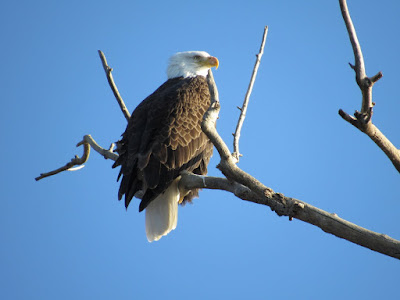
{"x":246,"y":187}
{"x":87,"y":142}
{"x":363,"y":119}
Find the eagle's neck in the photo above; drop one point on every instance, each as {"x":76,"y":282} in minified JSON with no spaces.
{"x":185,"y":70}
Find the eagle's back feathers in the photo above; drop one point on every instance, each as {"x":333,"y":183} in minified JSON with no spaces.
{"x":164,"y":138}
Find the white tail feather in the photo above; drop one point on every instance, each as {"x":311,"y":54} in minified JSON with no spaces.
{"x":162,"y":213}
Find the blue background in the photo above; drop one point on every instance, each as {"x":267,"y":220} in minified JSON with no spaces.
{"x":67,"y":237}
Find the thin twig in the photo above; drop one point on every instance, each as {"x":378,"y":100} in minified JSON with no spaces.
{"x":236,"y":154}
{"x":76,"y":161}
{"x":114,"y":88}
{"x":359,"y":66}
{"x":79,"y":161}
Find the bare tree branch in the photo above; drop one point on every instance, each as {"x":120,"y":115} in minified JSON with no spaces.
{"x":362,"y":80}
{"x":111,"y":82}
{"x":236,"y":154}
{"x":359,"y":66}
{"x":362,"y":119}
{"x":106,"y":153}
{"x":87,"y":139}
{"x":282,"y":205}
{"x":79,"y":161}
{"x":249,"y":188}
{"x":246,"y":187}
{"x":76,"y":161}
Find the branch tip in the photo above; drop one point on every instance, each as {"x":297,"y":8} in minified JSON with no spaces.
{"x":88,"y":142}
{"x":76,"y":161}
{"x":348,"y":118}
{"x":110,"y":79}
{"x":243,"y":109}
{"x":376,"y":77}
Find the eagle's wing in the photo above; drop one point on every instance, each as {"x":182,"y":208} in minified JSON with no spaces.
{"x":164,"y":138}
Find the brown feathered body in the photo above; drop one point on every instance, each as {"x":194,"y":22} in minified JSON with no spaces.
{"x":164,"y":138}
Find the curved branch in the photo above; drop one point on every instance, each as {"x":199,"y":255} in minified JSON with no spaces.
{"x":76,"y":161}
{"x":210,"y":120}
{"x":79,"y":161}
{"x":245,"y":186}
{"x":106,"y":153}
{"x":359,"y":66}
{"x":236,"y":154}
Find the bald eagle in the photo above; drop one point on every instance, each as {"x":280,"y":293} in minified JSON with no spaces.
{"x":164,"y":138}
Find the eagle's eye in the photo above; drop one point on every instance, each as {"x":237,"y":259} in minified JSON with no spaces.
{"x":197,"y":57}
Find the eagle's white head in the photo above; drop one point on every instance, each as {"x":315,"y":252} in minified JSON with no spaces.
{"x":190,"y":64}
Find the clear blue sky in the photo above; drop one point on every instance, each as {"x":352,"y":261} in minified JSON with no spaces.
{"x":67,"y":237}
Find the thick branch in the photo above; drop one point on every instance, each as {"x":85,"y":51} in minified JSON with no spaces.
{"x":111,"y":82}
{"x":282,"y":205}
{"x":236,"y":154}
{"x":77,"y":161}
{"x":384,"y":143}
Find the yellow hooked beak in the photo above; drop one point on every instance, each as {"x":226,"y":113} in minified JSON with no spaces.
{"x":212,"y":62}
